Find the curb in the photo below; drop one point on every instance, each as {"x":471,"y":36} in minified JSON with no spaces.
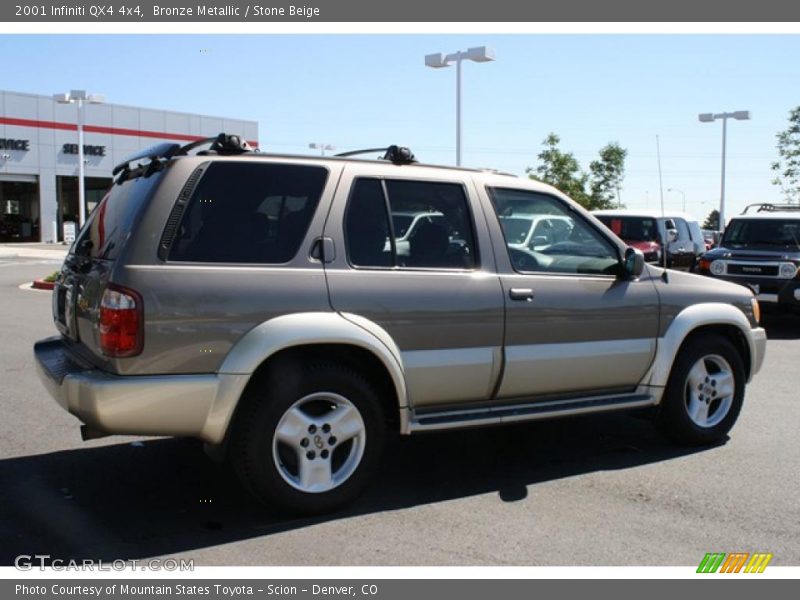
{"x":41,"y":284}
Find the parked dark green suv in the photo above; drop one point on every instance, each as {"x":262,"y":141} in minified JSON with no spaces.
{"x":760,"y":250}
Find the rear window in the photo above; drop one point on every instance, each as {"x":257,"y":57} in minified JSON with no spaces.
{"x":631,"y":229}
{"x":112,"y":220}
{"x":249,"y":213}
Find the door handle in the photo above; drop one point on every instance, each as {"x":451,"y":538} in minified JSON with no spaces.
{"x":525,"y":294}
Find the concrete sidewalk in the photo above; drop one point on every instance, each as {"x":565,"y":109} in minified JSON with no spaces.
{"x":51,"y":251}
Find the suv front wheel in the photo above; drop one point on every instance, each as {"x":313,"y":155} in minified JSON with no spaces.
{"x":705,"y":392}
{"x":308,"y":438}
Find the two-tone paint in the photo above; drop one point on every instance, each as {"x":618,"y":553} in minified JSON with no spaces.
{"x":458,"y":347}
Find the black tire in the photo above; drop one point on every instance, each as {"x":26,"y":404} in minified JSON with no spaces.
{"x":686,"y":391}
{"x":271,"y":469}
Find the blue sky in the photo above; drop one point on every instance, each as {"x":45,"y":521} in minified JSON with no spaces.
{"x":356,"y":91}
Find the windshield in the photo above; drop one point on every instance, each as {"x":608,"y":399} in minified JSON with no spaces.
{"x":631,"y":229}
{"x":762,"y":232}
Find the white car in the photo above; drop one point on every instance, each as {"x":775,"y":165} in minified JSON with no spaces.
{"x":535,"y":232}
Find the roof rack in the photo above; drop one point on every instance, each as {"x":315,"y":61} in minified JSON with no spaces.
{"x":398,"y":155}
{"x":770,"y":207}
{"x":497,"y":172}
{"x":158,"y":155}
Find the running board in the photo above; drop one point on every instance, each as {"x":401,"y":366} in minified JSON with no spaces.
{"x":430,"y":421}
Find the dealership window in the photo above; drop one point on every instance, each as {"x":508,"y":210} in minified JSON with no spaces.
{"x":67,"y":190}
{"x":19,"y":211}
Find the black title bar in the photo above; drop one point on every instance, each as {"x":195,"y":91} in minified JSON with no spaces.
{"x":442,"y":11}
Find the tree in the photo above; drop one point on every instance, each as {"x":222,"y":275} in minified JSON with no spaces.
{"x":593,"y":190}
{"x":607,"y":174}
{"x":560,"y":169}
{"x":712,"y":221}
{"x":787,"y":167}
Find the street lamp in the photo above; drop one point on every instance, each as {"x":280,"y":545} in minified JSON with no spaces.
{"x":80,"y":98}
{"x":739,"y":115}
{"x":321,"y":148}
{"x":439,"y":60}
{"x":682,"y":194}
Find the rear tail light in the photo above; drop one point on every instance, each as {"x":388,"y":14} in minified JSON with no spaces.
{"x":121,"y":322}
{"x":703,"y":264}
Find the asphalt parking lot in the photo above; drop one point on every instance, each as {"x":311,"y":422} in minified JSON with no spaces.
{"x":589,"y":491}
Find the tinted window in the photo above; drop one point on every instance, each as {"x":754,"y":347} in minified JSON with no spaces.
{"x":401,"y":224}
{"x":248,"y":213}
{"x":567,"y":243}
{"x":367,"y":226}
{"x":430,"y":225}
{"x":112,"y":220}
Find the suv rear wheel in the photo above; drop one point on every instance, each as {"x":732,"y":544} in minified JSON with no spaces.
{"x":704,"y":393}
{"x":308,"y":438}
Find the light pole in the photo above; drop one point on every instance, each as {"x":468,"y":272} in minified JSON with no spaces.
{"x":80,"y":98}
{"x":682,"y":194}
{"x":439,"y":60}
{"x":321,"y":147}
{"x":739,"y":115}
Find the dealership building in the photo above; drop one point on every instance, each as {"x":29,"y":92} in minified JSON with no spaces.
{"x":39,"y":155}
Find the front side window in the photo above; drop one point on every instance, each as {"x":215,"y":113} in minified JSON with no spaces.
{"x":430,"y":225}
{"x":560,"y":241}
{"x":249,"y":213}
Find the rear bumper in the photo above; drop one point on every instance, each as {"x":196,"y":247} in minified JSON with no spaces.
{"x":198,"y":406}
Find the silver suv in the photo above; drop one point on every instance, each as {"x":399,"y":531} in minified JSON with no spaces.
{"x":259,"y":303}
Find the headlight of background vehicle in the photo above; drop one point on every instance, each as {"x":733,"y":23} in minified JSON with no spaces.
{"x":787,"y":270}
{"x":756,"y":310}
{"x":718,"y":267}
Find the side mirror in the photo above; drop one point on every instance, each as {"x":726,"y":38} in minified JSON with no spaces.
{"x":672,"y":235}
{"x":634,"y":263}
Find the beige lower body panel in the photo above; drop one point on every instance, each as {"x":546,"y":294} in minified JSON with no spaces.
{"x":197,"y":406}
{"x":542,"y":369}
{"x":437,"y":377}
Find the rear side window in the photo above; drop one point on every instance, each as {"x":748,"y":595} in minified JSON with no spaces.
{"x":430,"y":225}
{"x":112,"y":220}
{"x":248,"y":213}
